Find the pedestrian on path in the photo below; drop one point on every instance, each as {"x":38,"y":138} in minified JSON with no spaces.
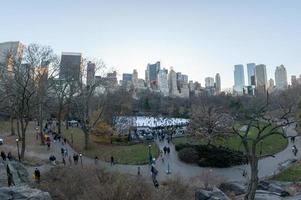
{"x":66,"y":152}
{"x":112,"y":161}
{"x":37,"y":175}
{"x":164,"y":149}
{"x":293,"y":139}
{"x":70,"y":160}
{"x":139,"y":173}
{"x":294,"y":150}
{"x":9,"y":156}
{"x":3,"y":155}
{"x":96,"y":160}
{"x":63,"y":152}
{"x":64,"y":161}
{"x":168,"y":150}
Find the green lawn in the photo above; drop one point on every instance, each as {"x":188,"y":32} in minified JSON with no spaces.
{"x":291,"y":174}
{"x":270,"y":145}
{"x":123,"y":154}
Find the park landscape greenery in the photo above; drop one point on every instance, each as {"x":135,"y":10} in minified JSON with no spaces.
{"x":29,"y":94}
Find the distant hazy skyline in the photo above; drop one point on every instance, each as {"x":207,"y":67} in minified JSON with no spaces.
{"x":199,"y":38}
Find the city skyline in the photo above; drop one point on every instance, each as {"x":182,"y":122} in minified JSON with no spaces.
{"x":188,"y":36}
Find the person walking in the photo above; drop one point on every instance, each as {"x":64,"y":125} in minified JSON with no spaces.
{"x":9,"y":156}
{"x":295,"y":150}
{"x":112,"y":161}
{"x":96,"y":160}
{"x":3,"y":155}
{"x":168,"y":150}
{"x":64,"y":161}
{"x":63,"y":152}
{"x":37,"y":175}
{"x":139,"y":173}
{"x":70,"y":160}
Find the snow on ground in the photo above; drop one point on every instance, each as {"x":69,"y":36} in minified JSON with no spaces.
{"x":141,"y":121}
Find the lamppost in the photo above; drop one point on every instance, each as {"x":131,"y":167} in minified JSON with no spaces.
{"x":19,"y":157}
{"x":150,"y":154}
{"x":81,"y":160}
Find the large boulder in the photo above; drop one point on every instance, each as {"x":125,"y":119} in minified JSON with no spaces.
{"x":215,"y":194}
{"x":23,"y":193}
{"x":233,"y":187}
{"x":266,"y":195}
{"x":273,"y":187}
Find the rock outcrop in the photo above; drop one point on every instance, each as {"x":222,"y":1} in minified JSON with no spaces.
{"x":23,"y":193}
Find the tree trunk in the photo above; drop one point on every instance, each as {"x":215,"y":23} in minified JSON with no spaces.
{"x":59,"y":118}
{"x":18,"y":128}
{"x":86,"y":139}
{"x":12,"y":129}
{"x":41,"y":124}
{"x":23,"y":143}
{"x":251,"y":191}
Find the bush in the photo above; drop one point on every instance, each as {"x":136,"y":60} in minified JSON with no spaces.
{"x":210,"y":155}
{"x":103,"y":128}
{"x":188,"y":155}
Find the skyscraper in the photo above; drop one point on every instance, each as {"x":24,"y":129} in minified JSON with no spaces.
{"x":90,"y":73}
{"x":10,"y":53}
{"x":172,"y":83}
{"x":163,"y":81}
{"x":239,"y":79}
{"x":251,"y":72}
{"x":271,"y":85}
{"x":71,"y":66}
{"x":281,"y":78}
{"x":209,"y":82}
{"x":261,"y":78}
{"x":294,"y":80}
{"x":217,"y":83}
{"x":135,"y":78}
{"x":151,"y":74}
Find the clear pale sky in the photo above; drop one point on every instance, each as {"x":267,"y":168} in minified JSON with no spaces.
{"x":199,"y":38}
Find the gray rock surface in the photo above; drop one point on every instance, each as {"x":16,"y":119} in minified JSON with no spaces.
{"x":23,"y":193}
{"x":237,"y":188}
{"x":215,"y":194}
{"x":266,"y":195}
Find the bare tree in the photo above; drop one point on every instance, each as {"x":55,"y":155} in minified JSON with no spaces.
{"x":21,"y":85}
{"x":259,"y":126}
{"x":44,"y":64}
{"x":89,"y":104}
{"x":209,"y":121}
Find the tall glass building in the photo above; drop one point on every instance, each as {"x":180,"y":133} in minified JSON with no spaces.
{"x":239,"y":79}
{"x":251,"y":72}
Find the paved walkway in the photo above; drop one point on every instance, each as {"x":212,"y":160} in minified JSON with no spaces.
{"x":267,"y":166}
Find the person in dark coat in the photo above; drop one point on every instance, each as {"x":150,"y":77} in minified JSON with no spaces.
{"x":37,"y":175}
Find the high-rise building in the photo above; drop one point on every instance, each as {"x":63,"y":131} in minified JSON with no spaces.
{"x":239,"y":79}
{"x":261,"y":78}
{"x":151,"y":75}
{"x":271,"y":85}
{"x":181,"y":79}
{"x":135,"y":78}
{"x":217,"y":83}
{"x":209,"y":82}
{"x":71,"y":66}
{"x":163,"y":82}
{"x":172,"y":83}
{"x":251,"y":72}
{"x":127,"y":77}
{"x":90,"y":73}
{"x":191,"y":86}
{"x":281,"y":78}
{"x":294,"y":81}
{"x":184,"y":91}
{"x":11,"y":53}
